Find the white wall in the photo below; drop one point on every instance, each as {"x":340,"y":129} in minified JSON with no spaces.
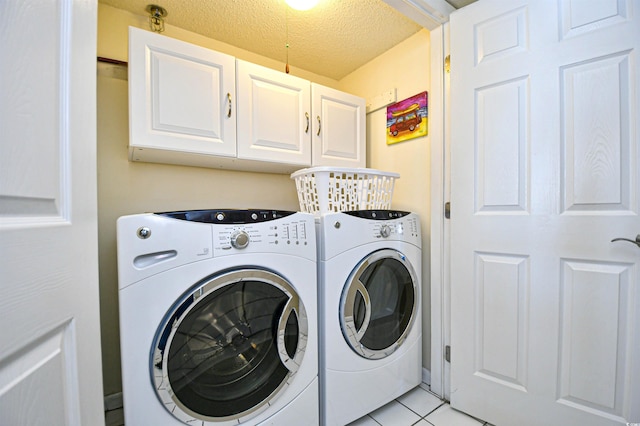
{"x":405,"y":68}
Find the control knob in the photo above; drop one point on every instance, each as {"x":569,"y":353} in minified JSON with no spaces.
{"x":239,"y":239}
{"x":385,"y":231}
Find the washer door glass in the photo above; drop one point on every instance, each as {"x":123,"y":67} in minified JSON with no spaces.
{"x":229,"y":347}
{"x":378,"y":304}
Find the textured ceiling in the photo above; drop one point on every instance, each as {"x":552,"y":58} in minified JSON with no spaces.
{"x":460,"y":3}
{"x":332,"y":40}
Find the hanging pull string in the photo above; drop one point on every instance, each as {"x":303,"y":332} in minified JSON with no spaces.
{"x":286,"y":8}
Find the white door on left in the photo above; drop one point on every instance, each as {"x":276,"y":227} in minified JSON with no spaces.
{"x":50,"y":366}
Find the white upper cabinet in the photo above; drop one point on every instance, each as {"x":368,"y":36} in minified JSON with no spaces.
{"x":287,"y":119}
{"x":339,"y":123}
{"x":181,"y":99}
{"x":193,"y":106}
{"x":273,"y":115}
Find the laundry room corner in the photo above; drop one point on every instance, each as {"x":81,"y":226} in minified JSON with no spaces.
{"x":126,"y":187}
{"x":404,"y":69}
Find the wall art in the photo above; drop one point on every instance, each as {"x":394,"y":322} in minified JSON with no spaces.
{"x":408,"y":119}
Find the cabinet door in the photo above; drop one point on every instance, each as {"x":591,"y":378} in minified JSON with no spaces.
{"x":273,"y":116}
{"x":180,"y":98}
{"x":339,"y":137}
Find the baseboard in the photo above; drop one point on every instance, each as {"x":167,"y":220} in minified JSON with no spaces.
{"x":426,"y":376}
{"x":113,"y":401}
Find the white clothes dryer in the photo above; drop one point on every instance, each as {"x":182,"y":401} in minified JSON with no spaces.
{"x":369,"y":264}
{"x":218,"y":318}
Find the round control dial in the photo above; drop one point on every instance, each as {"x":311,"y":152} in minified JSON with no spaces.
{"x":385,"y":231}
{"x":239,"y":239}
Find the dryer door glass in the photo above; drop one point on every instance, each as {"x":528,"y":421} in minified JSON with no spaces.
{"x":378,"y":304}
{"x":231,"y":346}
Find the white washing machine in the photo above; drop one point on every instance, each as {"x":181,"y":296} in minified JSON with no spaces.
{"x":218,"y":318}
{"x":369,"y":265}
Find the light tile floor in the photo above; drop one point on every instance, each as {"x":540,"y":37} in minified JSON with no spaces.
{"x":418,"y":407}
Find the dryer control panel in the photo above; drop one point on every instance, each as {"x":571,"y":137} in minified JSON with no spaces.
{"x":378,"y":214}
{"x":340,"y":232}
{"x":399,"y":229}
{"x":392,"y":224}
{"x":386,"y":224}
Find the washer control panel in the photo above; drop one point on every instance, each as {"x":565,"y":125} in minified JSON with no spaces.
{"x":228,"y":216}
{"x":288,"y":234}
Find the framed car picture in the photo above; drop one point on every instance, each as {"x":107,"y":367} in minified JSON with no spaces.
{"x":407,"y":119}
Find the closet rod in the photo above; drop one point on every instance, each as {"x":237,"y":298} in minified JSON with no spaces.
{"x":112,"y":61}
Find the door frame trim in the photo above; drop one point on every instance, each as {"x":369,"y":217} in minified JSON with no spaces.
{"x":440,"y":285}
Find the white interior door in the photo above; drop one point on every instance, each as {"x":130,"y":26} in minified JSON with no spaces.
{"x":545,"y":314}
{"x":50,"y":370}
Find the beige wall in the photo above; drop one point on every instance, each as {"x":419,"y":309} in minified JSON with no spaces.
{"x":405,"y":68}
{"x":127,"y":188}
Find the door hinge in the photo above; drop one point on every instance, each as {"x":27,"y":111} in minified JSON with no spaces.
{"x":447,"y":353}
{"x":447,"y":210}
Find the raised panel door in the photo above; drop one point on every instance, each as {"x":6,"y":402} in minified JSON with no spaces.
{"x":50,"y":369}
{"x":181,"y":99}
{"x":545,"y":103}
{"x":273,"y":116}
{"x":339,"y":128}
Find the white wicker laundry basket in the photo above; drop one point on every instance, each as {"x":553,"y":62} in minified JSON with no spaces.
{"x":337,"y":189}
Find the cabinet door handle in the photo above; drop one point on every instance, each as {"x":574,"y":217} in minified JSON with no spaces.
{"x":319,"y":126}
{"x":229,"y":100}
{"x":306,"y":114}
